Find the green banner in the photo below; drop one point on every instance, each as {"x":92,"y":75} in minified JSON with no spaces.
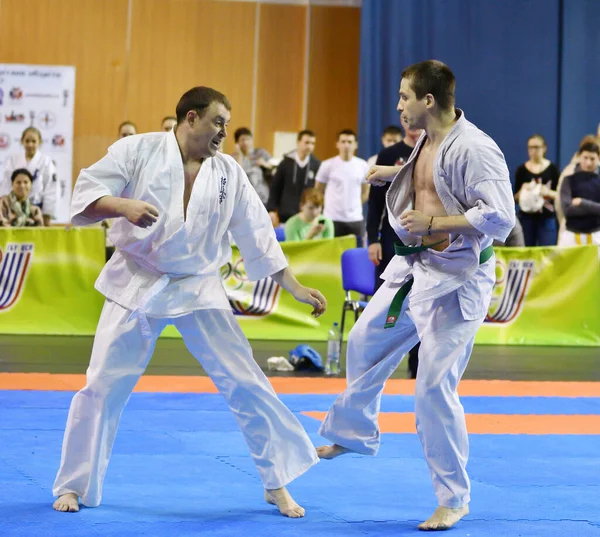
{"x":47,"y":280}
{"x":544,"y":296}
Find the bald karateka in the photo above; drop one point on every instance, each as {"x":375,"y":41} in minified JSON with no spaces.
{"x":446,"y":204}
{"x":175,"y":198}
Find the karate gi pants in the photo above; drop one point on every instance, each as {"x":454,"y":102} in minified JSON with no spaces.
{"x":373,"y":355}
{"x":277,"y":442}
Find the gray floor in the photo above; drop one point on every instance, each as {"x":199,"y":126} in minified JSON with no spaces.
{"x":59,"y":354}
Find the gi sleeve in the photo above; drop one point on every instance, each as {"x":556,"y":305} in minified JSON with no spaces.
{"x":488,"y":191}
{"x":253,"y":232}
{"x":107,"y":177}
{"x":49,"y":189}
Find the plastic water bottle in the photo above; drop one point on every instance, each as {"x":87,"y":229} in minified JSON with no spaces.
{"x":332,"y":365}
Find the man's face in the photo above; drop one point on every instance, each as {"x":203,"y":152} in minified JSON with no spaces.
{"x":390,"y":139}
{"x":168,"y":124}
{"x":306,"y":145}
{"x":207,"y":132}
{"x":412,"y":110}
{"x":246,"y":143}
{"x":127,"y":130}
{"x":310,"y":211}
{"x":346,"y":145}
{"x":588,"y":161}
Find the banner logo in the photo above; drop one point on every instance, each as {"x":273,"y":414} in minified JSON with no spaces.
{"x":4,"y":140}
{"x":512,"y":284}
{"x":16,"y":94}
{"x":253,"y":299}
{"x":14,"y":263}
{"x":14,"y":118}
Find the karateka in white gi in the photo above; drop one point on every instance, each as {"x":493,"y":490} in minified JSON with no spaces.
{"x":447,"y":204}
{"x":175,"y":198}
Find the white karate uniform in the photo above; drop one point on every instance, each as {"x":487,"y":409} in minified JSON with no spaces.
{"x":169,"y":274}
{"x":45,"y":187}
{"x":448,"y":302}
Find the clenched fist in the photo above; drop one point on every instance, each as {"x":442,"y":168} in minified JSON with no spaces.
{"x":140,"y":213}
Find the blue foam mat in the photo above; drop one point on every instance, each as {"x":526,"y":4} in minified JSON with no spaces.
{"x":180,"y":467}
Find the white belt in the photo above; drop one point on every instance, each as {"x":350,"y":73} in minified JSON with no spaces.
{"x":140,"y":311}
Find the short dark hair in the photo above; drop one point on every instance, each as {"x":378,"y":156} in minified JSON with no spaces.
{"x":32,"y":129}
{"x":199,"y":99}
{"x":242,"y":131}
{"x":127,"y":123}
{"x":21,"y":171}
{"x":435,"y":77}
{"x":394,"y":130}
{"x":347,"y":132}
{"x":590,"y":147}
{"x":306,"y":132}
{"x":168,"y":117}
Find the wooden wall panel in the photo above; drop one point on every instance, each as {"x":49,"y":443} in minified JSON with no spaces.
{"x":333,"y":74}
{"x":89,"y":34}
{"x":179,"y":44}
{"x":282,"y":46}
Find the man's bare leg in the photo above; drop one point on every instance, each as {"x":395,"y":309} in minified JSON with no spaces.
{"x":331,"y":452}
{"x":283,"y":500}
{"x":444,"y":518}
{"x":67,"y":503}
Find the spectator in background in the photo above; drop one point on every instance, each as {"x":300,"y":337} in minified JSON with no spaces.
{"x":391,"y":135}
{"x":45,"y":188}
{"x":127,"y":128}
{"x":580,"y":200}
{"x":343,"y":180}
{"x":570,"y":169}
{"x":15,"y":208}
{"x":536,"y":182}
{"x":294,"y":174}
{"x":254,"y":161}
{"x":380,"y":235}
{"x":309,"y":223}
{"x":168,"y":123}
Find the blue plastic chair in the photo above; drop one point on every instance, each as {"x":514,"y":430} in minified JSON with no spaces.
{"x":358,"y":274}
{"x":280,"y":233}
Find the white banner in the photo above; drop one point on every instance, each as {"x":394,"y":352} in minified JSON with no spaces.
{"x":40,"y":96}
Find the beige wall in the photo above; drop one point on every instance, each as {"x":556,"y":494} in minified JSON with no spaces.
{"x":134,"y":59}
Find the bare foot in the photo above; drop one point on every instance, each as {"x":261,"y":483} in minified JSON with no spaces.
{"x":331,"y":452}
{"x":444,"y":518}
{"x":67,"y":503}
{"x":286,"y":504}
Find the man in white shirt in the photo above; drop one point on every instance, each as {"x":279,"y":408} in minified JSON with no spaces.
{"x":342,"y":179}
{"x":175,"y":200}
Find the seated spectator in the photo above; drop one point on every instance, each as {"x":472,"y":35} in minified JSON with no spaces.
{"x":391,"y":135}
{"x":309,"y":223}
{"x":15,"y":208}
{"x":294,"y":174}
{"x":168,"y":123}
{"x":254,"y":161}
{"x":127,"y":128}
{"x":45,"y":191}
{"x":536,"y":182}
{"x":580,"y":200}
{"x":343,"y":180}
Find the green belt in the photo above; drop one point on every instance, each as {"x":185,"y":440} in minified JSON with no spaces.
{"x":396,"y":305}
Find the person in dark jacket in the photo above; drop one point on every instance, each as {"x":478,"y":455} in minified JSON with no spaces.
{"x":295,"y":173}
